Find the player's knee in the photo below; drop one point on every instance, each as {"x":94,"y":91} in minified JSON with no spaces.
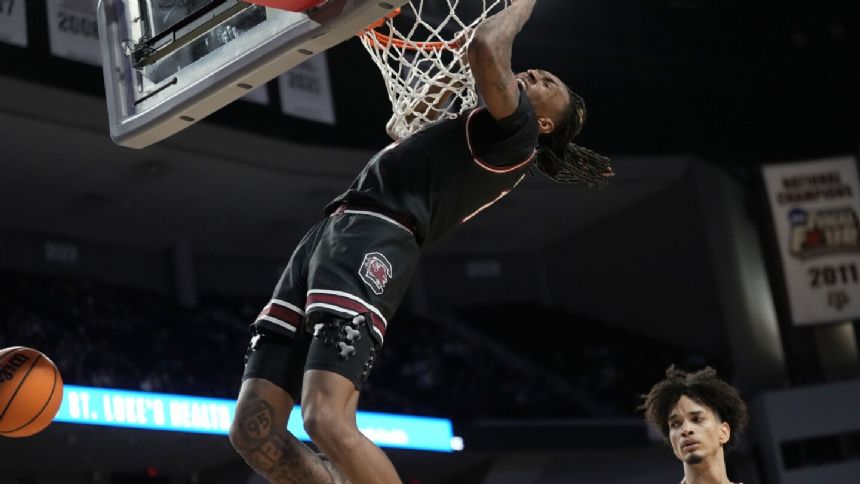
{"x":237,"y":440}
{"x":239,"y":437}
{"x":329,"y":428}
{"x":256,"y":420}
{"x":319,"y":419}
{"x":250,"y":447}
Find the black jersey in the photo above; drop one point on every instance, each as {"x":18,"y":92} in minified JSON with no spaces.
{"x":449,"y":171}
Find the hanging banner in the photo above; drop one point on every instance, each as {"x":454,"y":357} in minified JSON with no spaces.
{"x":306,"y":91}
{"x":259,"y":95}
{"x":73,"y":30}
{"x":13,"y":22}
{"x":815,"y":207}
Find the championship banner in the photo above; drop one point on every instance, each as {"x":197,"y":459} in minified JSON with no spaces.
{"x":13,"y":22}
{"x":306,"y":91}
{"x":259,"y":95}
{"x":73,"y":30}
{"x":815,"y":209}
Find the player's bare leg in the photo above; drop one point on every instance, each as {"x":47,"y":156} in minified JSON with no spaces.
{"x":329,"y":403}
{"x":259,"y":434}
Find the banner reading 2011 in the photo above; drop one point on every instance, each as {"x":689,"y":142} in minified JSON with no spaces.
{"x":815,"y":207}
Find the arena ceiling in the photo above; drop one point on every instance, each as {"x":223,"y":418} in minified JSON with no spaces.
{"x":732,"y":81}
{"x":737,"y":83}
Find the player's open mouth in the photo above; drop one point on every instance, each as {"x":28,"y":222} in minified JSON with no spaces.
{"x":526,"y":79}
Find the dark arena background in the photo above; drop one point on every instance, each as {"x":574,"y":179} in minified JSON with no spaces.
{"x":533,"y":329}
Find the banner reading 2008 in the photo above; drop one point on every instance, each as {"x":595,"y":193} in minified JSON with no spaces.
{"x":815,"y":207}
{"x":73,"y":30}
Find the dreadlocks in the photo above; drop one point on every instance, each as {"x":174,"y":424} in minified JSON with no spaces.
{"x":703,"y":387}
{"x":561,"y":160}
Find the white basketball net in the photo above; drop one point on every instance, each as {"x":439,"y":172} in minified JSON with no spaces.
{"x":425,"y":67}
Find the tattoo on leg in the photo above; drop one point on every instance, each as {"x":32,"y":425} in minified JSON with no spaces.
{"x":269,"y":453}
{"x":275,"y":453}
{"x":258,"y":423}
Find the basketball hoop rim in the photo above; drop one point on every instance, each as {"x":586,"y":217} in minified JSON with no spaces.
{"x":382,"y":41}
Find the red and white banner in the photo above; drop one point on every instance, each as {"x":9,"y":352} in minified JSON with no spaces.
{"x":73,"y":30}
{"x":13,"y":22}
{"x":815,"y":207}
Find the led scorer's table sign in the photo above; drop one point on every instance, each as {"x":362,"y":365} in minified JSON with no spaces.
{"x":160,"y":411}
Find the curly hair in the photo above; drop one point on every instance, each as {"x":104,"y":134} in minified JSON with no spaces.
{"x":561,"y":160}
{"x":703,"y":387}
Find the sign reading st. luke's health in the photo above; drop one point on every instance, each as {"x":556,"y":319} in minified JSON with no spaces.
{"x":13,"y":22}
{"x":184,"y":413}
{"x":815,"y":207}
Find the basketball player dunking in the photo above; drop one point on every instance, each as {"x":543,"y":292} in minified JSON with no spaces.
{"x":321,"y":333}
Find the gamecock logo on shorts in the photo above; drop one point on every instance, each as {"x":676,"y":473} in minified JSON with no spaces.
{"x":375,"y":271}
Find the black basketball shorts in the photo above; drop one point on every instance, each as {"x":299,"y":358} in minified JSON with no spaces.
{"x":331,"y":307}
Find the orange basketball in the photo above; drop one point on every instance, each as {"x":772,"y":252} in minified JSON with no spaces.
{"x":31,"y":390}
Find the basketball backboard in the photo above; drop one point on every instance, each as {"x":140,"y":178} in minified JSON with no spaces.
{"x":170,"y":63}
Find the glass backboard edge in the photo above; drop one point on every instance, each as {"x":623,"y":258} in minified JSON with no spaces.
{"x":138,"y":127}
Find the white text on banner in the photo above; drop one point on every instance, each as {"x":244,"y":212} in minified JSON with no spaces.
{"x":74,"y":31}
{"x":13,"y":22}
{"x":306,"y":91}
{"x":184,"y":413}
{"x":815,"y":207}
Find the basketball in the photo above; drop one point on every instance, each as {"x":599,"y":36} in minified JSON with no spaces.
{"x":31,"y":390}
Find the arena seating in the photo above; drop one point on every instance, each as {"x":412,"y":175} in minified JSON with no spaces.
{"x":110,"y":336}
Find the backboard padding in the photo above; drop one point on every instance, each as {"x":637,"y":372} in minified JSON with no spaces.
{"x":214,"y":66}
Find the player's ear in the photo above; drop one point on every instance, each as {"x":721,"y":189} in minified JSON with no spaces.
{"x":545,"y":125}
{"x":725,"y":432}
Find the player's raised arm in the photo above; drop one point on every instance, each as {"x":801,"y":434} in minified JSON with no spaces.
{"x":490,"y":57}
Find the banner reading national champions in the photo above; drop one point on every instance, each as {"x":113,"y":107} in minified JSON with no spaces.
{"x":815,"y":208}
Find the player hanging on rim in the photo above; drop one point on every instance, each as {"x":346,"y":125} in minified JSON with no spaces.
{"x":321,"y":333}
